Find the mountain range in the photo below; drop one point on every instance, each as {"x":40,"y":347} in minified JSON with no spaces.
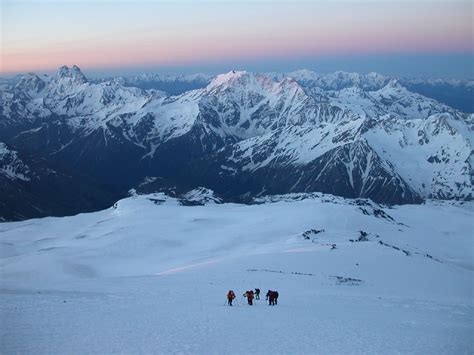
{"x":240,"y":134}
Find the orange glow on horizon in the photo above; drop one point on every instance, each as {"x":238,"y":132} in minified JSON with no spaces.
{"x":189,"y":52}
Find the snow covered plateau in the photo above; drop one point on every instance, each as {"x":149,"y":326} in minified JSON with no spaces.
{"x":151,"y":273}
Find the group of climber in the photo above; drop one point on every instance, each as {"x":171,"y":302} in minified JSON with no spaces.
{"x":272,"y":297}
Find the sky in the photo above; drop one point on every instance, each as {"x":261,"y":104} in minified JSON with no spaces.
{"x":404,"y":37}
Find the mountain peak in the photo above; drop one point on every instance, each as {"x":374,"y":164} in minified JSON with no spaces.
{"x":74,"y":73}
{"x":227,"y":77}
{"x":290,"y":83}
{"x":303,"y":74}
{"x":242,"y":80}
{"x":375,"y":75}
{"x":30,"y":82}
{"x":393,"y":83}
{"x":393,"y":87}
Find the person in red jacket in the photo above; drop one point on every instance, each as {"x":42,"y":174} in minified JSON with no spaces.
{"x":249,"y":295}
{"x":230,"y":297}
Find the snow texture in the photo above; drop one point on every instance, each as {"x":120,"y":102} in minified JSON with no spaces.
{"x":150,"y":276}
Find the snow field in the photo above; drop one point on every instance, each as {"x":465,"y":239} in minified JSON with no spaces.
{"x":152,"y":278}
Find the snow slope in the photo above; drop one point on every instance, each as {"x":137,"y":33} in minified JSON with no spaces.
{"x":150,"y":276}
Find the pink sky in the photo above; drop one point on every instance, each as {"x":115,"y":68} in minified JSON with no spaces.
{"x":43,"y":35}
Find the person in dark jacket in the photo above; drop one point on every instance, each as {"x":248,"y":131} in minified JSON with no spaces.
{"x":272,"y":297}
{"x":257,"y":293}
{"x":230,"y":297}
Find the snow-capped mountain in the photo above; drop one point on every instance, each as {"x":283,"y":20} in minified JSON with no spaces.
{"x":200,"y":196}
{"x":171,"y":84}
{"x":453,"y":92}
{"x":392,"y":99}
{"x":336,"y":81}
{"x":412,"y":159}
{"x":248,"y":134}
